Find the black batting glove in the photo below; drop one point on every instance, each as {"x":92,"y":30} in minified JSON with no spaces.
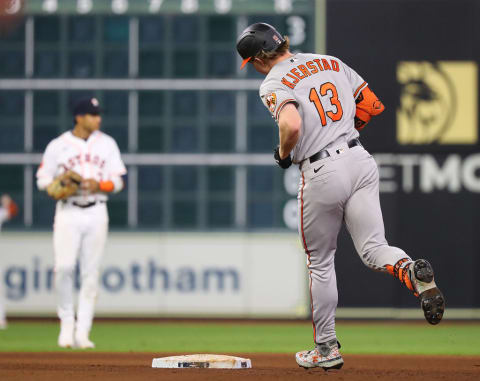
{"x":282,"y":163}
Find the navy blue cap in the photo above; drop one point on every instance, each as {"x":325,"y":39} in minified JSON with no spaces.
{"x":87,"y":106}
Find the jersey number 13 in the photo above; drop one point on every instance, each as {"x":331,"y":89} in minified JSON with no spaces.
{"x":314,"y":97}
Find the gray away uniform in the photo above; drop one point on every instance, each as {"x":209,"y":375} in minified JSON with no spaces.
{"x":341,"y":186}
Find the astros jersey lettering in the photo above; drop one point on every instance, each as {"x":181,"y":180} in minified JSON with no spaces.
{"x":322,"y":87}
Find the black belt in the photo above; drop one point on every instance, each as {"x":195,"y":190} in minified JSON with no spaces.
{"x":88,"y":205}
{"x":324,"y":153}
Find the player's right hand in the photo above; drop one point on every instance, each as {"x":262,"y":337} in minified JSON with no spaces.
{"x":282,"y":163}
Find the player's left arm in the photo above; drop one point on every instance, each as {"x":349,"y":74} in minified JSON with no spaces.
{"x":115,"y":169}
{"x":113,"y":185}
{"x":367,"y":105}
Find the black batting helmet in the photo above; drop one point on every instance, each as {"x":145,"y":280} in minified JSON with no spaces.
{"x":258,"y":37}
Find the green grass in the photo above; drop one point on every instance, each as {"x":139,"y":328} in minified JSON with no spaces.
{"x":361,"y":338}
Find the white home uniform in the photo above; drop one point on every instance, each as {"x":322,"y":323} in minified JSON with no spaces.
{"x":81,"y":221}
{"x":340,"y":184}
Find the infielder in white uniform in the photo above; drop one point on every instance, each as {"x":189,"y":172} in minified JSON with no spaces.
{"x":319,"y":103}
{"x":81,"y":218}
{"x":8,"y":210}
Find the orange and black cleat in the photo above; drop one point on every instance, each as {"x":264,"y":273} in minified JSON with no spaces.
{"x":431,"y":298}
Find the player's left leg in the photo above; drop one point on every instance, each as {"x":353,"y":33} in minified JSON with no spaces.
{"x":93,"y":247}
{"x":363,"y":217}
{"x":320,"y":214}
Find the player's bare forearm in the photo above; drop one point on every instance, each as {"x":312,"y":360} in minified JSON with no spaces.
{"x":289,"y":124}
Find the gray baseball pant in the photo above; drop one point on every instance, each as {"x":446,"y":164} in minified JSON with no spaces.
{"x":341,"y":187}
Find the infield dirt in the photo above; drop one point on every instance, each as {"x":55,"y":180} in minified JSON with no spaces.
{"x":53,"y":366}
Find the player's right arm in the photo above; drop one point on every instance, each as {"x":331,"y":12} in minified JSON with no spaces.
{"x":290,"y":125}
{"x":281,"y":104}
{"x":48,"y":167}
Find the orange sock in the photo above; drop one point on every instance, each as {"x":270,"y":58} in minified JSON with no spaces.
{"x":401,"y":273}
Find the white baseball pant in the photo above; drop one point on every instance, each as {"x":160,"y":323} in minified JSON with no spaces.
{"x":78,"y":233}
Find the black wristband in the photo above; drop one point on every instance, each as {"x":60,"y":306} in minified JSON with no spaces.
{"x":282,"y":163}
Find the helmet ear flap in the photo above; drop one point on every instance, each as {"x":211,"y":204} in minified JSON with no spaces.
{"x":258,"y":37}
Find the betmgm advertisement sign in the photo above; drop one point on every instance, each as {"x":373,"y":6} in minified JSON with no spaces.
{"x":438,"y":103}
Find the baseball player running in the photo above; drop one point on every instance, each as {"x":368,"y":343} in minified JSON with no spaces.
{"x":319,"y":104}
{"x":8,"y":210}
{"x":79,"y":169}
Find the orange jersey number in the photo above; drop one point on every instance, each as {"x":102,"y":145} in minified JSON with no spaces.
{"x":334,"y":101}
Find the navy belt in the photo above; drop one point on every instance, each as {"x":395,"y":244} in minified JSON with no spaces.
{"x":87,"y":205}
{"x":324,"y":153}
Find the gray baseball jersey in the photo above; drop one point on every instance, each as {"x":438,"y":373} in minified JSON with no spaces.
{"x":342,"y":186}
{"x":324,"y":90}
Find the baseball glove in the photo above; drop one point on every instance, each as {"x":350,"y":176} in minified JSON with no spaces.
{"x":64,"y":185}
{"x":282,"y":163}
